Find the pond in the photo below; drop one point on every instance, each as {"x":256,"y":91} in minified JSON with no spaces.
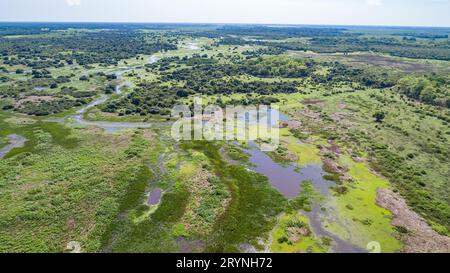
{"x":155,"y":197}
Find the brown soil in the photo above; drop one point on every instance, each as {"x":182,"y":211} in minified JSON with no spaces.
{"x":341,"y":118}
{"x":291,"y":156}
{"x":421,"y":238}
{"x":292,"y":124}
{"x":148,"y":135}
{"x":405,"y":66}
{"x":342,"y":106}
{"x":334,"y":148}
{"x":33,"y":99}
{"x":313,"y":102}
{"x":295,"y":234}
{"x":334,"y":167}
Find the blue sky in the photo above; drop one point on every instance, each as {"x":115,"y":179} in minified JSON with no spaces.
{"x":341,"y":12}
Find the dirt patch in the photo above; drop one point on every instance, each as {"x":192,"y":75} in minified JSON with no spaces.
{"x":313,"y":102}
{"x":333,"y":167}
{"x":148,"y":135}
{"x":190,"y":246}
{"x":333,"y":148}
{"x":122,"y":140}
{"x":421,"y":238}
{"x":342,"y":106}
{"x":384,"y":61}
{"x":71,"y":224}
{"x":341,"y":118}
{"x":291,"y":156}
{"x":32,"y":99}
{"x":295,"y":234}
{"x":292,"y":124}
{"x":310,"y":115}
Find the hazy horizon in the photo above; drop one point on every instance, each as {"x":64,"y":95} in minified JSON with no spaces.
{"x":395,"y":13}
{"x":219,"y":23}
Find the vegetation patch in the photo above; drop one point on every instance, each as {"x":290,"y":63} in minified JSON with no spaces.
{"x":292,"y":234}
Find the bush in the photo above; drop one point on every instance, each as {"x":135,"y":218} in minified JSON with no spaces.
{"x":283,"y":240}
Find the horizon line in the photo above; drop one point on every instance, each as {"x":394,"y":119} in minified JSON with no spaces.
{"x":234,"y":23}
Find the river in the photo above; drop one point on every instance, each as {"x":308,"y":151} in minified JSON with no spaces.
{"x":78,"y":118}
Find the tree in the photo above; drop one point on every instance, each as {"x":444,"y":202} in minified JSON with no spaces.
{"x":379,"y":116}
{"x":182,"y":93}
{"x":428,"y":94}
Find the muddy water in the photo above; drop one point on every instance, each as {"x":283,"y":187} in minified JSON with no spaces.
{"x":340,"y":245}
{"x":154,"y":197}
{"x":15,"y":141}
{"x":288,"y":180}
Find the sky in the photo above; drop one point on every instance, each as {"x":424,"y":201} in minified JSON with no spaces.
{"x":322,"y":12}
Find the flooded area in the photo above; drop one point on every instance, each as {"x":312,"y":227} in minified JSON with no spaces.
{"x":15,"y":141}
{"x":107,"y":126}
{"x":339,"y":245}
{"x":155,"y":197}
{"x":288,"y":181}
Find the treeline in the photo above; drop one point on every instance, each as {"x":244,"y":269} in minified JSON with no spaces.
{"x":395,"y":47}
{"x":104,"y":47}
{"x":432,"y":89}
{"x":339,"y":73}
{"x":410,"y":48}
{"x":202,"y":69}
{"x":422,"y":35}
{"x":272,"y":32}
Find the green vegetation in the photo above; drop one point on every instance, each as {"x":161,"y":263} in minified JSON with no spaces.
{"x":293,"y":235}
{"x":358,"y":212}
{"x":65,"y":194}
{"x":252,"y":209}
{"x":370,"y":106}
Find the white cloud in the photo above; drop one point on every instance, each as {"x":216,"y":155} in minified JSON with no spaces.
{"x":73,"y":2}
{"x":374,"y":2}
